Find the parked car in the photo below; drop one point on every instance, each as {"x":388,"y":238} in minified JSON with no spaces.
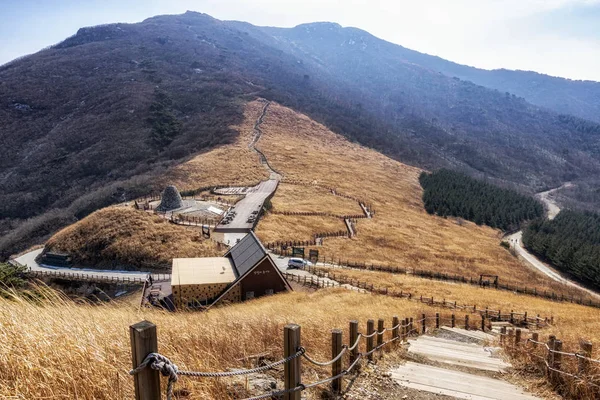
{"x":296,"y":262}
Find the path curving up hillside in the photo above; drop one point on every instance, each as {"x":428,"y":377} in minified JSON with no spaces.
{"x":516,"y":243}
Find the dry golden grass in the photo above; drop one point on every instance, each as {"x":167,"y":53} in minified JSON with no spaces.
{"x":62,"y":350}
{"x":571,"y":321}
{"x":312,"y":199}
{"x":401,"y":233}
{"x":234,"y":164}
{"x":120,"y":236}
{"x":275,"y":227}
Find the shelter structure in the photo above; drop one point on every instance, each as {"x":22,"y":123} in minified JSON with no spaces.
{"x":245,"y":272}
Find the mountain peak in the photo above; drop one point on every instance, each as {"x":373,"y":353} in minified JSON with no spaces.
{"x":333,"y":26}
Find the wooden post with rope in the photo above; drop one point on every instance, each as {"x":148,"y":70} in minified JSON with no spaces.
{"x":381,"y":330}
{"x":144,"y":341}
{"x":353,"y":332}
{"x":586,"y":352}
{"x":292,"y":370}
{"x":395,"y":323}
{"x":370,"y":331}
{"x":336,"y":367}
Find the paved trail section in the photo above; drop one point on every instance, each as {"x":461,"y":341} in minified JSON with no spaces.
{"x":28,"y":260}
{"x":243,"y":211}
{"x":516,"y":242}
{"x":458,"y":348}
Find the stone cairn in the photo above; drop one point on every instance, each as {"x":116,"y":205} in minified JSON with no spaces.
{"x":170,"y":200}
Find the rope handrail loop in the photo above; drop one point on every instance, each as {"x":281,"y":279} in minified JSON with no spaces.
{"x":356,"y":342}
{"x":371,"y":335}
{"x":326,"y":363}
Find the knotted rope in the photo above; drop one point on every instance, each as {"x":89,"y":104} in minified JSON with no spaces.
{"x":160,"y":363}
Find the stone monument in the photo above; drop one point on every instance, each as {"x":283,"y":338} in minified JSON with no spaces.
{"x":170,"y":200}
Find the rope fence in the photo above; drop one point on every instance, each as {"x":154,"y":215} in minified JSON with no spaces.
{"x":149,"y":364}
{"x":284,"y":248}
{"x":573,"y":374}
{"x":327,"y":280}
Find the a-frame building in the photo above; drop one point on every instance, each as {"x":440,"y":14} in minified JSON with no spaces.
{"x":245,"y":272}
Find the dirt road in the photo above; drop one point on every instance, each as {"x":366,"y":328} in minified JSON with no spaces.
{"x":516,"y":243}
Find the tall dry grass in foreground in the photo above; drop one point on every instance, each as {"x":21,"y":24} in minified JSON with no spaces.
{"x":58,"y":349}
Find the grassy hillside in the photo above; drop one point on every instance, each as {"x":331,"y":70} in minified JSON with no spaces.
{"x":402,"y":233}
{"x":120,"y":237}
{"x":95,"y":119}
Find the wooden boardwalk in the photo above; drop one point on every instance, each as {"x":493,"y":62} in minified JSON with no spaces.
{"x":460,"y":385}
{"x":457,"y":351}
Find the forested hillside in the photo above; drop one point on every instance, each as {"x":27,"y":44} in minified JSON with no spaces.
{"x":449,"y":193}
{"x":570,"y":242}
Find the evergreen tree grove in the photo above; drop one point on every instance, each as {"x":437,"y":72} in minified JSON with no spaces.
{"x":449,"y":193}
{"x":570,"y":242}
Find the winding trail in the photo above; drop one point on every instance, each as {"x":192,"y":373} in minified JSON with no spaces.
{"x":516,"y":242}
{"x":274,"y":175}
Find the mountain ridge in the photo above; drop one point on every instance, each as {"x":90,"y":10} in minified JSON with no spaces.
{"x":94,"y":119}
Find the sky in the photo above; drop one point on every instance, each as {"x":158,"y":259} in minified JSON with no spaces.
{"x":555,"y":37}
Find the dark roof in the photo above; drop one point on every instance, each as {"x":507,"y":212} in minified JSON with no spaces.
{"x":245,"y":254}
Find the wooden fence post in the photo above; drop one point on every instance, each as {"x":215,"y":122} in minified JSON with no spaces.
{"x":370,"y":330}
{"x":549,"y":358}
{"x":483,"y":323}
{"x":406,"y":327}
{"x":518,"y":337}
{"x":512,"y":317}
{"x":437,"y":320}
{"x":395,"y":322}
{"x":353,"y":333}
{"x":410,"y":325}
{"x":586,"y":351}
{"x":556,"y":361}
{"x":143,"y":342}
{"x":467,"y":322}
{"x":535,"y":337}
{"x":336,"y":367}
{"x":380,"y":328}
{"x":292,"y":370}
{"x":453,"y":320}
{"x":502,"y":334}
{"x":424,"y":323}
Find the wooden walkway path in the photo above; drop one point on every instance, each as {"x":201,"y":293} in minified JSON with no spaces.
{"x":457,"y":351}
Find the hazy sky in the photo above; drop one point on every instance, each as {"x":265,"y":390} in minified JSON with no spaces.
{"x":556,"y":37}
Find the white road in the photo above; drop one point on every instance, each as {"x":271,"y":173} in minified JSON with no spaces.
{"x":28,"y":260}
{"x":516,"y":242}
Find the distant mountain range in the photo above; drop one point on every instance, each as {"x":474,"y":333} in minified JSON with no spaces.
{"x":94,"y":119}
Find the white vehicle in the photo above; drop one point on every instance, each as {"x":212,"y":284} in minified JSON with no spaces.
{"x":296,"y":262}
